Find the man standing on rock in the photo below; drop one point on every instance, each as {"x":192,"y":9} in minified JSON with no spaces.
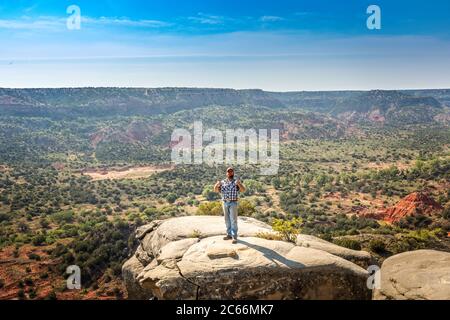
{"x":230,"y":188}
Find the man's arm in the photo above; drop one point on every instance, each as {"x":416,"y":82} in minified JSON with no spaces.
{"x":217,"y":187}
{"x":240,"y":185}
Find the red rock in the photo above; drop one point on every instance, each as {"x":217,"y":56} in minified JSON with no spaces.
{"x":414,"y":203}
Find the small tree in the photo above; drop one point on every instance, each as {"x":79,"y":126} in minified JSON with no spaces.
{"x":171,"y":197}
{"x":288,"y":229}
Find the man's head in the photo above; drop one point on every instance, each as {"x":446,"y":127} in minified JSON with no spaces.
{"x":230,"y":173}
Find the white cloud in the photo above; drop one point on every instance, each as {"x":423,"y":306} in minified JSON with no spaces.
{"x":54,"y":23}
{"x":125,"y":22}
{"x":27,"y":23}
{"x":271,"y":19}
{"x":303,"y":13}
{"x":51,"y":23}
{"x":30,"y":8}
{"x":208,"y":19}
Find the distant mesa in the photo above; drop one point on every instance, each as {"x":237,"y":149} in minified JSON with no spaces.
{"x":374,"y":107}
{"x":389,"y":106}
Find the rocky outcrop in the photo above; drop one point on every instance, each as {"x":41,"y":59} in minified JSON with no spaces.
{"x":361,"y":258}
{"x":130,"y":271}
{"x":187,"y":258}
{"x":415,"y":275}
{"x":412,"y":204}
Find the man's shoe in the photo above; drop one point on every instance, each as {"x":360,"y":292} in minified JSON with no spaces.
{"x":234,"y":241}
{"x":227,"y":238}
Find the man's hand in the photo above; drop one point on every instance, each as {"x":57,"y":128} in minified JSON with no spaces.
{"x":217,"y":186}
{"x":240,"y":185}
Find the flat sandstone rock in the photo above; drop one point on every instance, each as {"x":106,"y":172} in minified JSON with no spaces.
{"x":415,"y":275}
{"x":361,"y":258}
{"x":190,"y":260}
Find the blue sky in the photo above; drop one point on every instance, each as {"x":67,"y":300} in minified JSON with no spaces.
{"x":274,"y":45}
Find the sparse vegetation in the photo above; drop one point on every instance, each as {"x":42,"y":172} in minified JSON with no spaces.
{"x":333,"y":174}
{"x":270,"y":236}
{"x":196,"y":234}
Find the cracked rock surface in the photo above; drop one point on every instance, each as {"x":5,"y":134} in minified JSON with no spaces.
{"x":187,"y":258}
{"x":415,"y":275}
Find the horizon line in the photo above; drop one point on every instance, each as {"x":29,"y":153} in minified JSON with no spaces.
{"x":223,"y":88}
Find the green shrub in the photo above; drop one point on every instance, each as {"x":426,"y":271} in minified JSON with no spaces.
{"x":51,"y":296}
{"x":406,"y":244}
{"x":446,"y":213}
{"x":195,"y":234}
{"x":44,"y":223}
{"x":213,"y":208}
{"x":28,"y":282}
{"x":209,"y":194}
{"x":63,"y":217}
{"x":21,"y":294}
{"x":34,"y":256}
{"x":348,"y":243}
{"x":377,"y":246}
{"x":38,"y":240}
{"x":171,"y":197}
{"x":326,"y":237}
{"x":246,"y":208}
{"x":252,"y":187}
{"x":424,"y":235}
{"x":32,"y":294}
{"x":150,"y":212}
{"x":4,"y":217}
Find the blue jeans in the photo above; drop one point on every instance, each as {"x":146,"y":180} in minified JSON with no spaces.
{"x":230,"y":211}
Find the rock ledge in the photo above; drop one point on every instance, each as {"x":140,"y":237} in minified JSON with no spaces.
{"x":186,"y":258}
